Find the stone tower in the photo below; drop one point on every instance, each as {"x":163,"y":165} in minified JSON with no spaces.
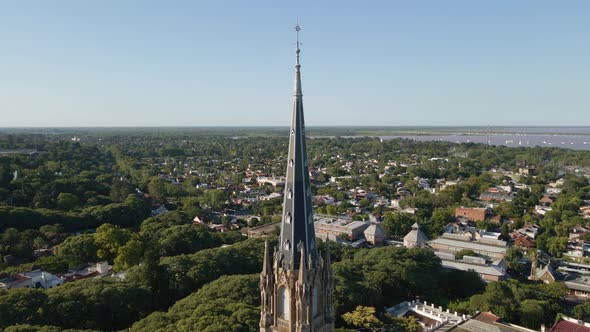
{"x":296,"y":283}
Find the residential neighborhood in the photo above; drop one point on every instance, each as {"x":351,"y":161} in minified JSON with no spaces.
{"x":482,"y":221}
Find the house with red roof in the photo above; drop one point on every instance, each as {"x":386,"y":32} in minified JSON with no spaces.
{"x":567,"y":324}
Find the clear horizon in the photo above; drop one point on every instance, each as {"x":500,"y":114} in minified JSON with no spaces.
{"x":385,"y":127}
{"x":390,"y":64}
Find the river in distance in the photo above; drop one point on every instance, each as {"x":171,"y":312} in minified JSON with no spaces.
{"x":577,"y":138}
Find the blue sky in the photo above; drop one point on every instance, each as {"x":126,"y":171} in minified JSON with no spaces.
{"x":202,"y":63}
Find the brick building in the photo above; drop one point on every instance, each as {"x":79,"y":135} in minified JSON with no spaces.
{"x":473,"y":214}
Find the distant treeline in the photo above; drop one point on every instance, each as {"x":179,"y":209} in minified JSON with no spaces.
{"x":130,"y":213}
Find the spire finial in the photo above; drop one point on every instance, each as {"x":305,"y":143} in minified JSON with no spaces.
{"x":297,"y":29}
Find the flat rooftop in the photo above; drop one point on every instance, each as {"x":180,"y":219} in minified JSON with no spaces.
{"x":470,"y":245}
{"x":339,"y":224}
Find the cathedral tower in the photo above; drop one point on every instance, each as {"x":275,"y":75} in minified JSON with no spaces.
{"x":296,"y":283}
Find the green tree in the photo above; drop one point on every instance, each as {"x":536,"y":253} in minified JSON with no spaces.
{"x":77,"y":250}
{"x":440,"y":218}
{"x":40,"y":243}
{"x":253,"y":222}
{"x":130,"y":213}
{"x":109,"y":239}
{"x":397,"y":324}
{"x":20,"y":306}
{"x":67,"y":201}
{"x":51,"y":264}
{"x":19,"y":244}
{"x":331,"y":210}
{"x":513,"y":259}
{"x":41,"y":328}
{"x":191,"y":206}
{"x":153,"y":276}
{"x":557,"y":245}
{"x":5,"y":175}
{"x":188,"y":273}
{"x":363,"y":317}
{"x":215,"y":198}
{"x":186,"y":239}
{"x":53,"y":233}
{"x":104,"y":304}
{"x":130,"y":254}
{"x":532,"y":313}
{"x":385,"y":276}
{"x":229,"y":303}
{"x":120,"y":190}
{"x":499,"y":299}
{"x":398,"y":224}
{"x":582,"y":311}
{"x":465,"y":252}
{"x":157,"y":188}
{"x":505,"y":232}
{"x":554,"y":292}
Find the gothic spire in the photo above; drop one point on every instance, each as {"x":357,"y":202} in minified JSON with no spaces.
{"x":297,"y":230}
{"x":302,"y":267}
{"x":328,"y":259}
{"x":266,"y":267}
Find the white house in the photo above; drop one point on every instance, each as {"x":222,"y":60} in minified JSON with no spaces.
{"x":32,"y":279}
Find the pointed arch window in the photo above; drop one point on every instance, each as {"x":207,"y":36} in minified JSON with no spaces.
{"x":315,"y":302}
{"x":283,"y":303}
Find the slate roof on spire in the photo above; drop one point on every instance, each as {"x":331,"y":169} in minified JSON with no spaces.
{"x":297,"y":230}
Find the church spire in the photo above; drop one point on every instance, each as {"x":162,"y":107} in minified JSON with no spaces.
{"x":296,"y":295}
{"x":297,"y":230}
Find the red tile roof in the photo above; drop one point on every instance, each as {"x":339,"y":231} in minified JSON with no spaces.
{"x":20,"y":277}
{"x":566,"y":326}
{"x":486,"y":317}
{"x":523,"y":241}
